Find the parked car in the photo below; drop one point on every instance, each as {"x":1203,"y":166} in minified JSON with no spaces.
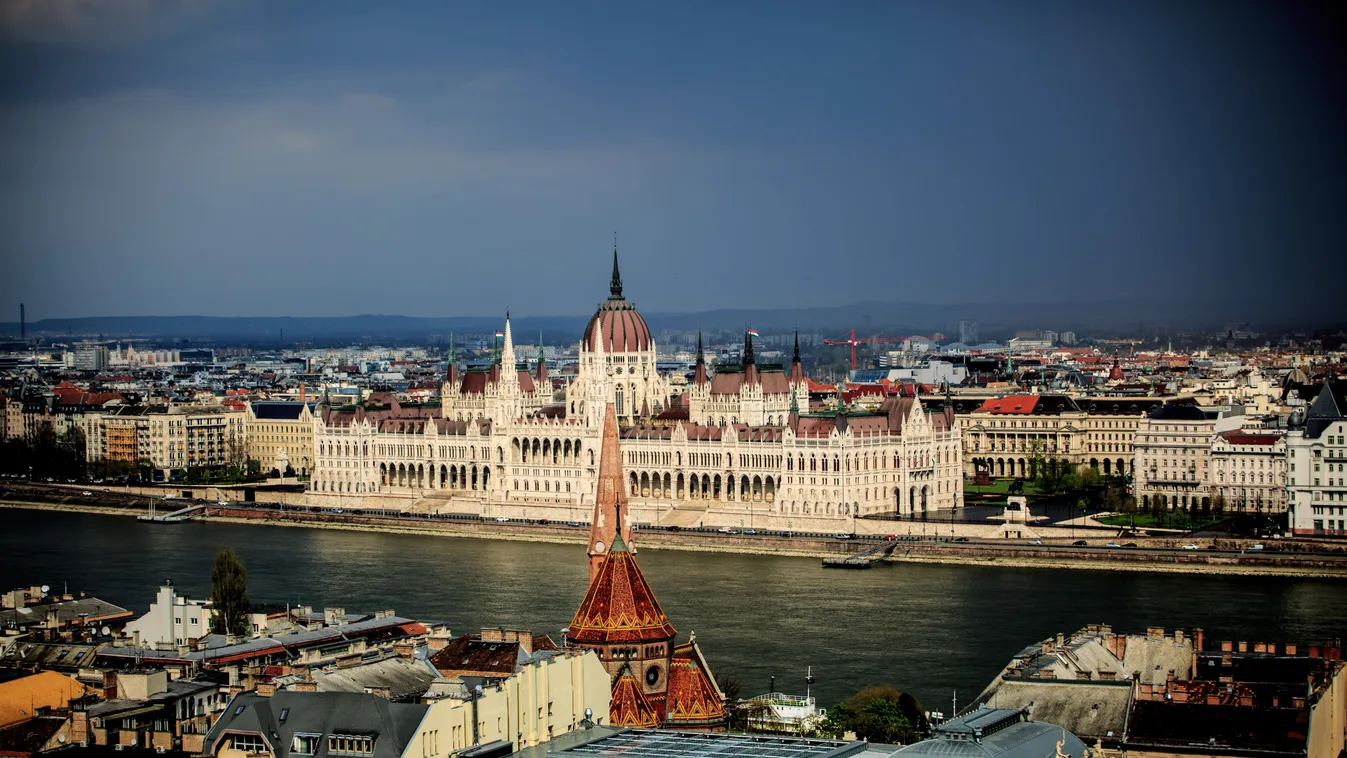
{"x":750,"y":531}
{"x":1129,"y":544}
{"x":961,"y":539}
{"x":1035,"y":542}
{"x":1257,"y":546}
{"x":1113,"y":544}
{"x":87,"y":493}
{"x":1190,"y":546}
{"x":890,"y":537}
{"x":502,"y":519}
{"x":842,"y":536}
{"x":224,"y":502}
{"x":674,"y":529}
{"x":1080,"y":543}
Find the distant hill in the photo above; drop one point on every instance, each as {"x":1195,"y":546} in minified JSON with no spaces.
{"x":869,"y":317}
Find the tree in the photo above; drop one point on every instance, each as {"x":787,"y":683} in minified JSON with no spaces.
{"x":878,"y":714}
{"x":229,"y":593}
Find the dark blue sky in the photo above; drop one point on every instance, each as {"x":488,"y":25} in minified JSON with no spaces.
{"x":244,"y":158}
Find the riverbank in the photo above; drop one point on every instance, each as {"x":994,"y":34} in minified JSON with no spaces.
{"x":981,"y":553}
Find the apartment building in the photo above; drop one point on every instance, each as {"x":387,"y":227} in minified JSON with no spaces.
{"x":280,"y":434}
{"x":1249,"y":471}
{"x":1316,"y":452}
{"x":168,"y":438}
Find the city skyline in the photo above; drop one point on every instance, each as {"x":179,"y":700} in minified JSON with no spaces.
{"x":231,"y":160}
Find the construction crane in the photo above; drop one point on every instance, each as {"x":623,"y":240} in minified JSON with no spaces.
{"x":862,"y":341}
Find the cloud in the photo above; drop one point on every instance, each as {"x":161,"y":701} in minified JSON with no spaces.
{"x":97,"y":22}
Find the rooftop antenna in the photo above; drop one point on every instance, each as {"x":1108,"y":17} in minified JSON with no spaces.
{"x":955,"y":712}
{"x":808,"y":681}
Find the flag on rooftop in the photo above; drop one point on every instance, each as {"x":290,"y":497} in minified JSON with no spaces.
{"x":752,"y":333}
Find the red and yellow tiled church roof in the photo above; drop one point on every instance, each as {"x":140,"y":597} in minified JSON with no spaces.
{"x":693,"y":698}
{"x":619,"y":606}
{"x":629,"y":707}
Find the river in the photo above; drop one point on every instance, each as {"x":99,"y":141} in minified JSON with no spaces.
{"x":926,"y":629}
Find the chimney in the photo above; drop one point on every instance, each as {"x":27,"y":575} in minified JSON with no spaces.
{"x":1061,"y":639}
{"x":266,"y":689}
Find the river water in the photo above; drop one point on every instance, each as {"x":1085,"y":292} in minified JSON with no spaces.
{"x":926,"y":629}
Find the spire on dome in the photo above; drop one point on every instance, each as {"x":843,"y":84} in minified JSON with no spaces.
{"x":615,"y":284}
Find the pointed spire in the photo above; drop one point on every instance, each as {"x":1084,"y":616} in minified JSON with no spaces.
{"x":610,"y":524}
{"x":615,"y":284}
{"x":796,"y":366}
{"x":748,"y":349}
{"x":701,"y":356}
{"x":540,"y":377}
{"x":795,"y":357}
{"x":699,"y":375}
{"x":451,"y":376}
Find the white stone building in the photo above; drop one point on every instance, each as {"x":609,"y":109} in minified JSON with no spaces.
{"x":1316,"y":451}
{"x":172,"y":620}
{"x":734,"y":449}
{"x":1249,"y":471}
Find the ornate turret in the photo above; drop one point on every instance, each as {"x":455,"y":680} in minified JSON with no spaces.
{"x":750,"y":363}
{"x":610,"y":499}
{"x":540,"y":379}
{"x":796,"y":365}
{"x":451,"y":376}
{"x":699,"y":378}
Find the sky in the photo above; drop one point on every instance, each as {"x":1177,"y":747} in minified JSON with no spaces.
{"x":245,"y":158}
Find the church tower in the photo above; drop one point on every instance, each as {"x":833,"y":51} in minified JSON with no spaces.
{"x":611,"y":517}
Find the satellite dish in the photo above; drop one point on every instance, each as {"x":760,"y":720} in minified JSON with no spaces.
{"x":46,"y":588}
{"x":60,"y":738}
{"x":105,"y":631}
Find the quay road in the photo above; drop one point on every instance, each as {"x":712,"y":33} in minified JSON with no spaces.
{"x":1099,"y":547}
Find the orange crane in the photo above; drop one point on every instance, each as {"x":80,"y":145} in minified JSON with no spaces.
{"x":862,"y":341}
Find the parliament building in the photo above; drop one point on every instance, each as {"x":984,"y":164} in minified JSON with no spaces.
{"x":737,"y":446}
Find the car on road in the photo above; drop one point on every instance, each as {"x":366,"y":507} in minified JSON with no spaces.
{"x":1113,"y":544}
{"x":842,"y":536}
{"x":1190,"y":546}
{"x":890,"y":537}
{"x":1256,"y":547}
{"x":726,"y":530}
{"x":961,"y":539}
{"x":674,"y":529}
{"x":224,"y":502}
{"x":1080,"y":543}
{"x":1035,"y":542}
{"x":502,"y":519}
{"x":750,"y":531}
{"x":572,"y":523}
{"x":87,"y":493}
{"x":1129,"y":544}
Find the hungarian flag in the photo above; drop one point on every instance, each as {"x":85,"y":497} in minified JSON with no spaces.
{"x":752,"y":333}
{"x":500,"y":334}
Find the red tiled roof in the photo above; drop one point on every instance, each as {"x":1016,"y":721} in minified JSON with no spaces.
{"x":629,"y":706}
{"x":470,"y":655}
{"x":623,"y":329}
{"x":619,"y":606}
{"x":691,"y":696}
{"x":1010,"y":404}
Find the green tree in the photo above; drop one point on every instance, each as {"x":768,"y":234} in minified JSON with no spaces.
{"x":878,"y":714}
{"x":229,"y":593}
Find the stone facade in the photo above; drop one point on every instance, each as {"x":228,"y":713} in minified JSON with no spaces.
{"x":499,"y":444}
